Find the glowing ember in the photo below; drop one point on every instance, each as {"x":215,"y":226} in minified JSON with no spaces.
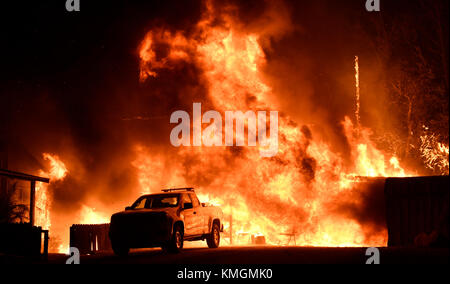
{"x":434,"y":153}
{"x":358,"y":93}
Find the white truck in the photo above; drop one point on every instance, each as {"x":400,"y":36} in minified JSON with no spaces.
{"x":165,"y":220}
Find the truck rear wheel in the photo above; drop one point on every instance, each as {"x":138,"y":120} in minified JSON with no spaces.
{"x":213,"y":239}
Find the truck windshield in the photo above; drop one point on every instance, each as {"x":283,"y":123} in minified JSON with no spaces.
{"x":156,"y":201}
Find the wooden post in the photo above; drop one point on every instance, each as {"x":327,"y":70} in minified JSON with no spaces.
{"x":32,"y":201}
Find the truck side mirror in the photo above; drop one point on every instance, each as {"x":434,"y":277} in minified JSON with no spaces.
{"x":128,"y":208}
{"x":188,"y":206}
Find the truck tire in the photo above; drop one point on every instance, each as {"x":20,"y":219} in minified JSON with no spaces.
{"x":213,"y":240}
{"x":175,"y":244}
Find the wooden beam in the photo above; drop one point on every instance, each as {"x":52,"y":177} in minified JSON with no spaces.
{"x":22,"y":176}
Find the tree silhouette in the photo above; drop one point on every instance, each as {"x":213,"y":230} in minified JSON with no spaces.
{"x":10,"y":211}
{"x":413,"y":48}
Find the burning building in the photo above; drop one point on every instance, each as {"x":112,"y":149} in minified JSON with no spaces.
{"x":101,"y":111}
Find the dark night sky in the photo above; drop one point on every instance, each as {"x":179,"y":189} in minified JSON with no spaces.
{"x":61,"y":70}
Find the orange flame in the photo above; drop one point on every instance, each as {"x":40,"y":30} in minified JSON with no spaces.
{"x":262,"y":196}
{"x":90,"y":216}
{"x":57,"y":172}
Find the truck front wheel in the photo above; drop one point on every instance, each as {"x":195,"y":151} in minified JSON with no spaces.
{"x":213,"y":239}
{"x":175,"y":244}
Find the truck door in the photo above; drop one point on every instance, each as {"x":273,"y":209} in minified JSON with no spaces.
{"x":198,"y":213}
{"x":188,"y":214}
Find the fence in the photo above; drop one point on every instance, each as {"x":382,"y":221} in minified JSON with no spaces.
{"x":90,"y":239}
{"x":417,"y":211}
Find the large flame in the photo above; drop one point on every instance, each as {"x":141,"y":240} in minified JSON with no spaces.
{"x":298,"y":193}
{"x":56,"y":172}
{"x":290,"y":194}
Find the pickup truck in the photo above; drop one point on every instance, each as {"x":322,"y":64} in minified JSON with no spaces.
{"x":165,"y":220}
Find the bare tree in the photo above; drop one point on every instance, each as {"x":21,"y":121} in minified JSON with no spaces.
{"x":413,"y":48}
